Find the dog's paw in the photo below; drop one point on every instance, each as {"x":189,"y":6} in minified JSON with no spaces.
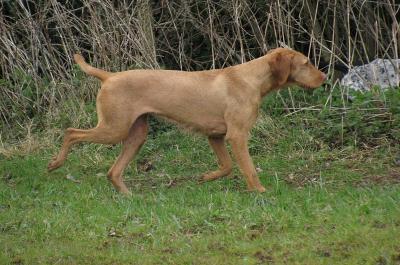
{"x":126,"y":193}
{"x":54,"y":164}
{"x":208,"y":177}
{"x":259,"y":189}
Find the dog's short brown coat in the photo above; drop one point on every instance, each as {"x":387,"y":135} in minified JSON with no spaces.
{"x":222,"y":104}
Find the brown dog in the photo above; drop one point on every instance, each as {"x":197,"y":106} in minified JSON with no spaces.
{"x":222,"y":104}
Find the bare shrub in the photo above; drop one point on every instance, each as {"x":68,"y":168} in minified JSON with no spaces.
{"x":38,"y":39}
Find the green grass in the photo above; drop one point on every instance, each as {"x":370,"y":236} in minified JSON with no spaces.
{"x":322,"y":205}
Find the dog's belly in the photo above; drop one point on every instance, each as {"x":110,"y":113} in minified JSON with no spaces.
{"x":194,"y":114}
{"x":212,"y":127}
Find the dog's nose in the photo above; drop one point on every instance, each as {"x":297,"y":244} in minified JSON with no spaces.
{"x":323,"y":76}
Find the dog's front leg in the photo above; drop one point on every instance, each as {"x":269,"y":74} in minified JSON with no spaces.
{"x":240,"y":151}
{"x":224,"y":160}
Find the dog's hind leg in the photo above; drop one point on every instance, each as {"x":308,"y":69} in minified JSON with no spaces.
{"x":130,"y":147}
{"x":224,"y":160}
{"x":112,"y":128}
{"x":102,"y":134}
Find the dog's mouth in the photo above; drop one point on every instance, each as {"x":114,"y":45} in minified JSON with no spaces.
{"x":307,"y":86}
{"x":310,"y":86}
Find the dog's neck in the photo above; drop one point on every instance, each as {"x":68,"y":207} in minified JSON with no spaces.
{"x":257,"y":74}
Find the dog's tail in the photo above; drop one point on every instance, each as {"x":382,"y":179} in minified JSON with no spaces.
{"x":90,"y":70}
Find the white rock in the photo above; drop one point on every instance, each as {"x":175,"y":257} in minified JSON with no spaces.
{"x":380,"y":72}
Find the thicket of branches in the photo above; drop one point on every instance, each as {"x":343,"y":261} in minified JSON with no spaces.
{"x":38,"y":39}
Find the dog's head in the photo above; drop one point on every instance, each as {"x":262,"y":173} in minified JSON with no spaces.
{"x":290,"y":67}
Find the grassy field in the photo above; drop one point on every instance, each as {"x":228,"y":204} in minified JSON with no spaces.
{"x":329,"y":158}
{"x":323,"y":205}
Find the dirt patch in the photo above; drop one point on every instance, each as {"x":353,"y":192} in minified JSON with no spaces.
{"x":264,"y":258}
{"x":392,"y":176}
{"x":216,"y":246}
{"x":396,"y":258}
{"x":303,"y":178}
{"x":381,"y":261}
{"x":357,"y":167}
{"x":9,"y":179}
{"x":149,"y":181}
{"x":168,"y":250}
{"x":325,"y":253}
{"x":298,"y":179}
{"x":17,"y":261}
{"x":145,"y":165}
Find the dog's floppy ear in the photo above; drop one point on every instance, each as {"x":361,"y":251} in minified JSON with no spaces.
{"x":280,"y":65}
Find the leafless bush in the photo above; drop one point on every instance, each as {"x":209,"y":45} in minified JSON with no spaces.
{"x":38,"y":39}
